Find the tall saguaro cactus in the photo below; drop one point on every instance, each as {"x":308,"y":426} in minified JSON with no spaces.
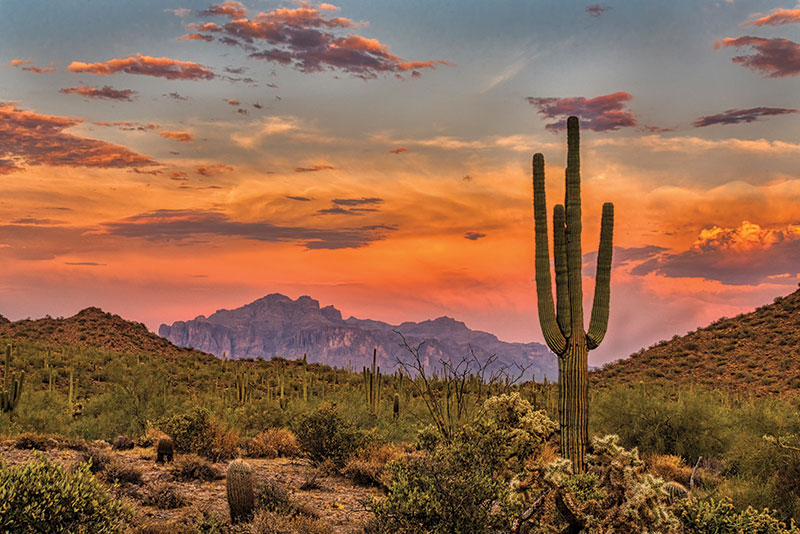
{"x":563,"y":327}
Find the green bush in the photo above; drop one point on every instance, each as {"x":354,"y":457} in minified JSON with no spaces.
{"x":457,"y":487}
{"x":41,"y":496}
{"x":191,"y":432}
{"x":720,"y":517}
{"x":325,"y":435}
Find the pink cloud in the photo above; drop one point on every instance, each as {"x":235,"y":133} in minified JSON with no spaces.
{"x":778,"y":17}
{"x":306,"y":39}
{"x":38,"y":139}
{"x":181,"y":137}
{"x":735,"y":116}
{"x":106,"y":92}
{"x":162,"y":67}
{"x":596,"y":10}
{"x":601,"y":114}
{"x":776,"y":58}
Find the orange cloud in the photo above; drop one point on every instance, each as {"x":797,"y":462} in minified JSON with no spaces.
{"x":38,"y":139}
{"x":181,"y":137}
{"x":777,"y":18}
{"x":233,"y":10}
{"x":106,"y":92}
{"x":196,"y":37}
{"x":211,"y":170}
{"x":27,"y":65}
{"x":776,"y":58}
{"x":232,"y":101}
{"x":171,"y":69}
{"x":398,"y":150}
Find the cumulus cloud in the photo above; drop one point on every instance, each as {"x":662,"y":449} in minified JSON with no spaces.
{"x":735,"y":116}
{"x":474,"y":236}
{"x":746,"y":255}
{"x":314,"y":168}
{"x":184,"y":225}
{"x":596,"y":10}
{"x":775,"y":58}
{"x":778,"y":17}
{"x":102,"y":93}
{"x":27,"y":65}
{"x":601,"y":113}
{"x":307,"y":39}
{"x":162,"y":67}
{"x":181,"y":137}
{"x":37,"y":139}
{"x":213,"y":169}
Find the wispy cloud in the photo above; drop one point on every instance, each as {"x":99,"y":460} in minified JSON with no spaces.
{"x":314,"y":168}
{"x":27,"y":65}
{"x":596,"y":10}
{"x":735,"y":116}
{"x":102,"y":93}
{"x":778,"y":17}
{"x":181,"y":137}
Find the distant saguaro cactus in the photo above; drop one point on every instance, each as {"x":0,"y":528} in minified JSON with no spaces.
{"x":239,"y":487}
{"x":564,"y":330}
{"x":12,"y":386}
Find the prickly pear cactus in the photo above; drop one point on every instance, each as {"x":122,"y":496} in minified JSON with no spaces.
{"x":239,"y":486}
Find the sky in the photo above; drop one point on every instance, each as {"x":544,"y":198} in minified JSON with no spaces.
{"x":165,"y":160}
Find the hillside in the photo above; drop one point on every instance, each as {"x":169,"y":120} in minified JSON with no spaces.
{"x":756,"y":352}
{"x":276,"y":325}
{"x":91,"y":328}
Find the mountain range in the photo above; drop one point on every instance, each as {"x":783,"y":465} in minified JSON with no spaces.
{"x":276,"y":325}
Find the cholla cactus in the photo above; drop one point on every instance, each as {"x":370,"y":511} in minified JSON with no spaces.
{"x":614,"y":494}
{"x":239,"y":486}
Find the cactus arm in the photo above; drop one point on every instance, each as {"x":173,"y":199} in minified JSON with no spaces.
{"x":560,"y":260}
{"x":544,"y":291}
{"x":573,"y":233}
{"x":602,"y":290}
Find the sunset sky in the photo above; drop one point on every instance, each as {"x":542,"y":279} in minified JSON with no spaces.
{"x":165,"y":163}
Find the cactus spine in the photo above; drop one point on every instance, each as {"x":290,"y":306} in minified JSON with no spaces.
{"x":239,"y":486}
{"x":563,"y":328}
{"x":12,"y":386}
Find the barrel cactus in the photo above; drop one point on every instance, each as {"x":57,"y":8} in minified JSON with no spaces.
{"x":239,"y":486}
{"x":563,"y":327}
{"x":164,"y":450}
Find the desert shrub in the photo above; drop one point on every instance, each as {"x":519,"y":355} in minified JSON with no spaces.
{"x":190,"y":431}
{"x":266,"y":522}
{"x":44,"y":412}
{"x":273,"y":496}
{"x":455,"y":487}
{"x":366,"y":467}
{"x":669,"y":467}
{"x":720,"y":517}
{"x":98,"y":459}
{"x":615,"y":494}
{"x":688,"y":423}
{"x":120,"y":473}
{"x":325,"y":435}
{"x":42,"y":496}
{"x":164,"y":496}
{"x":34,"y":440}
{"x":193,"y":467}
{"x":197,"y":432}
{"x":122,"y":443}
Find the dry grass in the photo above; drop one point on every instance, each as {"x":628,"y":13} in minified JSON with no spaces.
{"x":367,"y":467}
